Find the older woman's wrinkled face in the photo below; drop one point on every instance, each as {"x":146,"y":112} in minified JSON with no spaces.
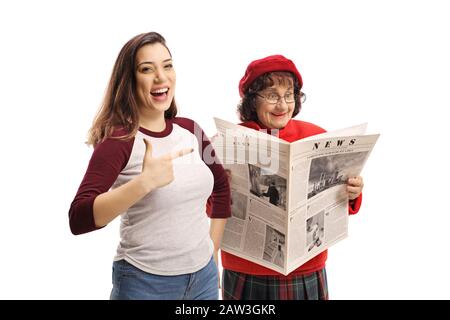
{"x":275,"y":104}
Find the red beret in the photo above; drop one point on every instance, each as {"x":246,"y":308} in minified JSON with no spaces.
{"x":268,"y":64}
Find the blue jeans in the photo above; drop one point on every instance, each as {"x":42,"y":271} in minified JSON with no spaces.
{"x":131,"y":283}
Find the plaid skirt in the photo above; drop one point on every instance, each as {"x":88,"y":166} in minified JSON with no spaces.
{"x":241,"y":286}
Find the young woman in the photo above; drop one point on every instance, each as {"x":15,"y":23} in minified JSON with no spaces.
{"x":155,"y":165}
{"x":271,"y":97}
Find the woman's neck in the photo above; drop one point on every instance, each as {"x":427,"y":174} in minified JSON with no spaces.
{"x":152,"y":122}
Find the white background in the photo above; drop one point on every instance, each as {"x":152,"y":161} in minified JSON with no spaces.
{"x":384,"y":62}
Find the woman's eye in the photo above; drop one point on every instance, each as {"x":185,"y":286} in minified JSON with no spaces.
{"x":146,"y":70}
{"x":168,"y":66}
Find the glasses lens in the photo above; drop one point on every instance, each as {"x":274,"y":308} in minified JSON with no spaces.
{"x":289,"y":97}
{"x":272,"y":98}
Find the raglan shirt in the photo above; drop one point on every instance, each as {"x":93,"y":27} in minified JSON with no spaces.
{"x":167,"y":231}
{"x":293,"y":131}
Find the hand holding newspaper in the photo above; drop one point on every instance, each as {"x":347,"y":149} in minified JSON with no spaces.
{"x":289,"y":200}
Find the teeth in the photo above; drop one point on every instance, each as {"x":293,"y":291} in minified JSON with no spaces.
{"x":163,"y":90}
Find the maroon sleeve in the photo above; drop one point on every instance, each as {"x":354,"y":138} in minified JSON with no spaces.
{"x":219,"y":203}
{"x":107,"y":161}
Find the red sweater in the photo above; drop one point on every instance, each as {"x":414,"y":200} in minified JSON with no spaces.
{"x":294,"y":130}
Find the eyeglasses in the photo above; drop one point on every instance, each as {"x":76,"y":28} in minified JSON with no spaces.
{"x":274,"y":98}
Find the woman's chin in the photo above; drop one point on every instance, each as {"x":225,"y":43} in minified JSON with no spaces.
{"x":278,"y":123}
{"x":161,"y":107}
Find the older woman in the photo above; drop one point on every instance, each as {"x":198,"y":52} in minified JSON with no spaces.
{"x":271,"y":97}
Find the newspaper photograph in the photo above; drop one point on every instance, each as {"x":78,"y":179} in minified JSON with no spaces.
{"x":288,"y":200}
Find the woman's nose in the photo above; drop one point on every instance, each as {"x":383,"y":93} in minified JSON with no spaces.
{"x":160,"y":76}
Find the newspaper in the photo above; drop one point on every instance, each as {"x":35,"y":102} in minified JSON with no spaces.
{"x":289,"y":200}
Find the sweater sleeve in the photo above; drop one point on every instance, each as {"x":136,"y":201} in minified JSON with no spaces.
{"x":107,"y":161}
{"x":354,"y":205}
{"x":219,"y":203}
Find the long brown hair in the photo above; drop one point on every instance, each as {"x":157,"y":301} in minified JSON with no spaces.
{"x":119,"y":109}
